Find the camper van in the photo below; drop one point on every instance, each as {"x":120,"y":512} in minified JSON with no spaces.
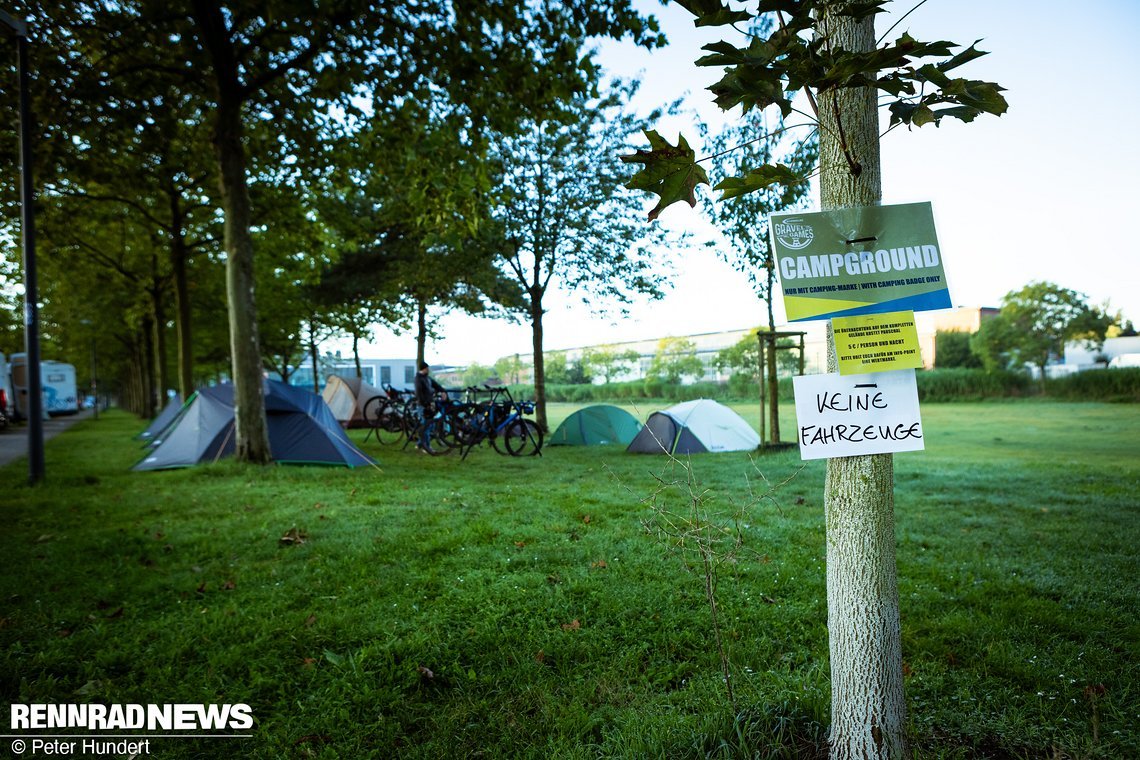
{"x":58,"y":379}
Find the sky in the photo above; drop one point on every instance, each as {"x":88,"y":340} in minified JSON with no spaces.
{"x":1041,"y":193}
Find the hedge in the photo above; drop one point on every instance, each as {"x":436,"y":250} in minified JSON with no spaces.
{"x":973,"y":385}
{"x":933,"y":385}
{"x":1097,"y":385}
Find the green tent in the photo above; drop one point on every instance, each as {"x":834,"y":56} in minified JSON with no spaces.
{"x":595,"y":425}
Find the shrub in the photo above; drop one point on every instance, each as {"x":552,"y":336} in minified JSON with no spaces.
{"x":952,"y":350}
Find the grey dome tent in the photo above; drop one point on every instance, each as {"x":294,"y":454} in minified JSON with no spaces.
{"x":694,"y":427}
{"x":302,"y":430}
{"x":596,"y":425}
{"x":164,"y":418}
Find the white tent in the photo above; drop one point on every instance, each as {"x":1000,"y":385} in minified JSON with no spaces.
{"x":694,"y":427}
{"x":346,"y":398}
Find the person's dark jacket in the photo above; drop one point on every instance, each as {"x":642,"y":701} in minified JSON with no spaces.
{"x":426,"y":388}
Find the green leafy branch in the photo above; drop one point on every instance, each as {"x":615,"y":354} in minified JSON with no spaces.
{"x":798,"y":55}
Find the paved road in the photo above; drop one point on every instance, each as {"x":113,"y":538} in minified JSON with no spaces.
{"x":14,"y":440}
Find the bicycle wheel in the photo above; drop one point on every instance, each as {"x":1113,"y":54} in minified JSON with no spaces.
{"x":385,"y":419}
{"x":523,"y":438}
{"x":468,"y":423}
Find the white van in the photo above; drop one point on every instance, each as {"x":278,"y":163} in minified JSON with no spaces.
{"x":58,"y":379}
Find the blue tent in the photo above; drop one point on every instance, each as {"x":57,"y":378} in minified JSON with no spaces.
{"x":164,"y":418}
{"x":302,"y":430}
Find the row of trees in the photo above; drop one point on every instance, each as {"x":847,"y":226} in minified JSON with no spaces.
{"x":225,"y":186}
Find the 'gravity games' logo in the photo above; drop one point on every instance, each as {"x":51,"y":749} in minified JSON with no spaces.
{"x":794,"y":234}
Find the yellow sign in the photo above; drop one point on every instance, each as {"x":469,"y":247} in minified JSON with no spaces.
{"x":876,"y":343}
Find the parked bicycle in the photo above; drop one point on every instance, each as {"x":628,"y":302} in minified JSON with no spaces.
{"x":387,"y":416}
{"x":498,"y":419}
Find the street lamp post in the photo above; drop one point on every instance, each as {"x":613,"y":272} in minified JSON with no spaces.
{"x":31,"y":289}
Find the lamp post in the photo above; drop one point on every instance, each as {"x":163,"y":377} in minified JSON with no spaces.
{"x":31,"y":289}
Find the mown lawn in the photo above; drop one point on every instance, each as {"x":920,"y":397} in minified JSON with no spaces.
{"x":499,"y":607}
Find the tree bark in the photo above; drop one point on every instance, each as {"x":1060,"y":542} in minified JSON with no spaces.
{"x":539,"y":361}
{"x":867,"y":701}
{"x":773,"y":380}
{"x":421,"y":333}
{"x":178,"y":259}
{"x":252,"y":433}
{"x":161,"y":381}
{"x":146,"y":368}
{"x":313,"y":356}
{"x":356,"y":355}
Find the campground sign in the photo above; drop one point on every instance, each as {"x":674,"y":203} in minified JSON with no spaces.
{"x":858,"y":261}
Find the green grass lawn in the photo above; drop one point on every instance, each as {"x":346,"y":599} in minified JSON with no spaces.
{"x":500,"y":607}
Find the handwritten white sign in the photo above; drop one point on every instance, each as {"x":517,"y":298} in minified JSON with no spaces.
{"x":850,"y":415}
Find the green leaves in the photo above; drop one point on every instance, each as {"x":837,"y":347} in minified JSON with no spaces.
{"x":713,"y":12}
{"x":669,"y":171}
{"x":790,"y":49}
{"x":757,"y":179}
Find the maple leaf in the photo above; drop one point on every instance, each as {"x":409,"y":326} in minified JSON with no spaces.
{"x":669,"y":171}
{"x":757,"y":179}
{"x":573,"y":625}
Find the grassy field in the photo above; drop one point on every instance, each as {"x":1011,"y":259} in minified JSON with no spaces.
{"x":496,"y":607}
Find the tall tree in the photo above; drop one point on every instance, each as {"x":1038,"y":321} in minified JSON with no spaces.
{"x":676,"y":359}
{"x":827,"y":50}
{"x":250,"y":52}
{"x":609,"y":362}
{"x":1036,"y":322}
{"x":567,"y":217}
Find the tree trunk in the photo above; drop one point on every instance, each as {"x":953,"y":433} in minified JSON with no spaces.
{"x":421,"y":333}
{"x":314,"y":358}
{"x":773,"y":380}
{"x":178,"y":260}
{"x":773,"y":393}
{"x":161,"y":381}
{"x":867,"y":702}
{"x":356,"y":355}
{"x":539,"y":362}
{"x":252,"y":433}
{"x":252,"y":438}
{"x":146,"y":368}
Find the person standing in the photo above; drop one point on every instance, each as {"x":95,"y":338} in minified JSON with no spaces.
{"x":426,"y":390}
